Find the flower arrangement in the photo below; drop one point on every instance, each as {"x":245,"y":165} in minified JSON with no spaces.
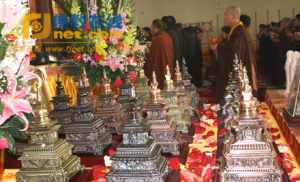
{"x":116,"y":47}
{"x":15,"y":72}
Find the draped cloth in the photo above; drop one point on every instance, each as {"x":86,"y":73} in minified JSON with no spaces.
{"x":160,"y":55}
{"x":240,"y":44}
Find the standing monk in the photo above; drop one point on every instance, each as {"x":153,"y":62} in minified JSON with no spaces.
{"x":161,"y":53}
{"x":238,"y":43}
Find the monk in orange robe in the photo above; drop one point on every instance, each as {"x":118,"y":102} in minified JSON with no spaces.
{"x":161,"y":53}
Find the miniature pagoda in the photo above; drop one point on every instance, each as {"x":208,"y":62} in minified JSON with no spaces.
{"x":184,"y":98}
{"x":127,"y":93}
{"x":138,"y":158}
{"x":179,"y":115}
{"x":62,"y":111}
{"x":249,"y":154}
{"x":185,"y":74}
{"x":192,"y":90}
{"x":292,"y":112}
{"x":251,"y":157}
{"x":180,"y":87}
{"x":248,"y":105}
{"x":229,"y":110}
{"x":46,"y":157}
{"x":231,"y":105}
{"x":86,"y":133}
{"x":163,"y":130}
{"x":141,"y":86}
{"x":107,"y":107}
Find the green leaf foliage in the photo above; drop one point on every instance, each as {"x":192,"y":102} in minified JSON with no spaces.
{"x":1,"y":107}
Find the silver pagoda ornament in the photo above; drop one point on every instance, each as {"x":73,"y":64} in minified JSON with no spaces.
{"x":141,"y":86}
{"x":249,"y":154}
{"x":248,"y":104}
{"x":177,"y":114}
{"x":292,"y":112}
{"x":127,"y":93}
{"x":180,"y":87}
{"x":107,"y":108}
{"x":163,"y":130}
{"x":62,"y":111}
{"x":251,"y":157}
{"x":46,"y":157}
{"x":191,"y":88}
{"x":184,"y":98}
{"x":229,"y":106}
{"x":87,"y":133}
{"x":138,"y":158}
{"x":185,"y":74}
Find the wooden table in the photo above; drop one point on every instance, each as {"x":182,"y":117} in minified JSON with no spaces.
{"x":277,"y":102}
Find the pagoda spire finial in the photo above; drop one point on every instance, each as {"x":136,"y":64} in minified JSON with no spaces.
{"x":169,"y":82}
{"x":106,"y":84}
{"x":154,"y":92}
{"x":178,"y":76}
{"x":85,"y":78}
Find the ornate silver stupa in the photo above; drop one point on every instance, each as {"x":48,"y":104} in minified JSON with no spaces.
{"x":183,"y":97}
{"x":185,"y":74}
{"x":138,"y":158}
{"x":46,"y":157}
{"x":251,"y":157}
{"x":62,"y":111}
{"x":191,"y":88}
{"x":163,"y":130}
{"x":86,"y":133}
{"x":248,"y":105}
{"x":177,"y":114}
{"x":249,"y":154}
{"x":141,"y":87}
{"x":230,"y":107}
{"x":107,"y":108}
{"x":292,"y":112}
{"x":127,"y":93}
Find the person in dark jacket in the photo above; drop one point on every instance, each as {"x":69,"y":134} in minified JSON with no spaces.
{"x":193,"y":54}
{"x":170,"y":23}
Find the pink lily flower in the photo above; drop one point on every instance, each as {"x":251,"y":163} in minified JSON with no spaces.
{"x":14,"y":102}
{"x":3,"y":143}
{"x":114,"y":64}
{"x":26,"y":71}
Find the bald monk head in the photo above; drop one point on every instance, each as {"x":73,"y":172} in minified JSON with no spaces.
{"x":232,"y":16}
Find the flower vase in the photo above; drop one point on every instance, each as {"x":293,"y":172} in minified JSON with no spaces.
{"x":2,"y":159}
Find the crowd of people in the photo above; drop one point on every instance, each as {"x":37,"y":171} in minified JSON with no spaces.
{"x":264,"y":56}
{"x":274,"y":40}
{"x":170,"y":42}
